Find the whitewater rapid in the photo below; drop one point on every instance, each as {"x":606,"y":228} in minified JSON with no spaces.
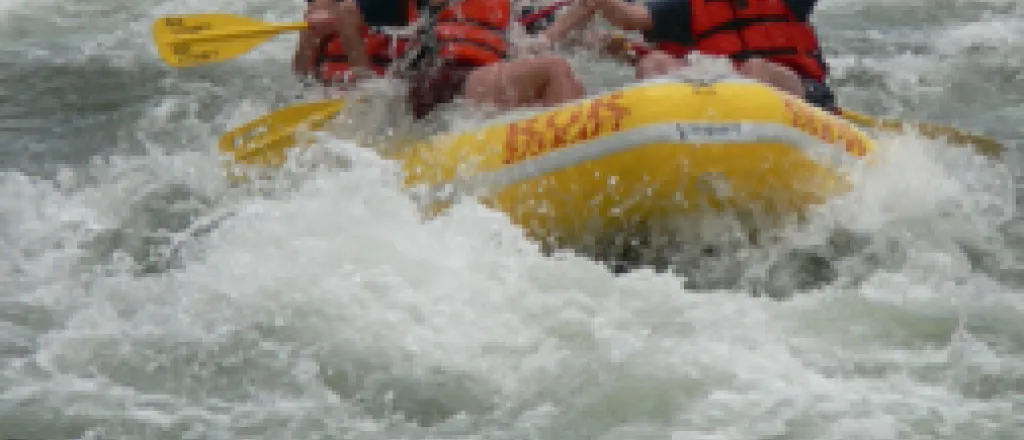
{"x":330,"y":309}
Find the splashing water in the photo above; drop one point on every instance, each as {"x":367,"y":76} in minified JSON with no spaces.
{"x":328,"y":308}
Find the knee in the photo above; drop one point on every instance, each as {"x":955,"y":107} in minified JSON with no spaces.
{"x":756,"y":68}
{"x":764,"y":70}
{"x":776,"y":75}
{"x":555,"y":67}
{"x":480,"y":82}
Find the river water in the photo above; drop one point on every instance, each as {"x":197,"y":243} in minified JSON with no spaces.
{"x":331,"y":311}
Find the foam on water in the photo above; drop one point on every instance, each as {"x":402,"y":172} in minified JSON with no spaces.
{"x":336,"y":308}
{"x":329,"y":308}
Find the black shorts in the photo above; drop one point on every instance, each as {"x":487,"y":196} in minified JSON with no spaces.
{"x":384,"y":12}
{"x":820,"y":95}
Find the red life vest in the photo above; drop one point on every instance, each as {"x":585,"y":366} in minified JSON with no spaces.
{"x":473,"y":33}
{"x":741,"y":29}
{"x":332,"y":63}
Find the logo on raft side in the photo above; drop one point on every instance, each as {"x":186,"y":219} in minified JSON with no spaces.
{"x":825,"y":128}
{"x":536,"y":136}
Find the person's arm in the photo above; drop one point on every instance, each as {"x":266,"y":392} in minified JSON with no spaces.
{"x":305,"y":54}
{"x":627,"y":16}
{"x":342,"y":19}
{"x":350,"y":37}
{"x":578,"y":15}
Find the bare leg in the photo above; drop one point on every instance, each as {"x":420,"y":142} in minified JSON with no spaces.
{"x":543,"y":81}
{"x":657,"y":63}
{"x":773,"y":74}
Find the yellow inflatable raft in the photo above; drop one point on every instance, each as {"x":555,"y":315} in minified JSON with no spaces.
{"x":643,"y":154}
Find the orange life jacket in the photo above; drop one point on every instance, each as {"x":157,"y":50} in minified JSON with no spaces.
{"x":472,"y":32}
{"x":332,"y":62}
{"x":741,"y":29}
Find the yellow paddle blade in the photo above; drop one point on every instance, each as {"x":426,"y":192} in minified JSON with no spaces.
{"x":265,"y":141}
{"x":189,"y":40}
{"x":983,"y":144}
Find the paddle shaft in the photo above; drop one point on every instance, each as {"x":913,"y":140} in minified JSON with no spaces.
{"x":983,"y":144}
{"x":263,"y":29}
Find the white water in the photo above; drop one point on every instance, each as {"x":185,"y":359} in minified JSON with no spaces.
{"x":332,"y":311}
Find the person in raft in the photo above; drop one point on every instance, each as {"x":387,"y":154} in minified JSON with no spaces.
{"x":470,"y":56}
{"x":771,"y":41}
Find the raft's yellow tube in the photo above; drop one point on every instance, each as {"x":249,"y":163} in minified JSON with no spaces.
{"x":644,"y":154}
